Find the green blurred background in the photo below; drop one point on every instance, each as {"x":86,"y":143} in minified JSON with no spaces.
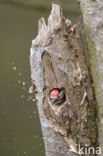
{"x":20,"y":131}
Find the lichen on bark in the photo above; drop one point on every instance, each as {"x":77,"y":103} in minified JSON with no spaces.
{"x":92,"y":12}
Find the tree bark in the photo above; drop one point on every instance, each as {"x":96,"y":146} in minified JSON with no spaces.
{"x":92,"y":12}
{"x":57,"y":61}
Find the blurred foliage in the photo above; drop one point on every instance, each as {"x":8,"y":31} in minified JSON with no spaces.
{"x":20,"y":131}
{"x":45,"y":5}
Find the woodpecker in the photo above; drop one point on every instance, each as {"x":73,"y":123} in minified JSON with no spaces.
{"x":57,"y":96}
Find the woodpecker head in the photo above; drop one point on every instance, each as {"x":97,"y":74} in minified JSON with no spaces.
{"x":57,"y":96}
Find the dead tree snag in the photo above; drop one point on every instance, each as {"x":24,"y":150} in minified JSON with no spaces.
{"x":63,"y":89}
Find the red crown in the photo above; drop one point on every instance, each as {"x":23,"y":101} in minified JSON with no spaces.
{"x":54,"y":93}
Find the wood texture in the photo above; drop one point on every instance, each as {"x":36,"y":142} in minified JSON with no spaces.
{"x":92,"y":11}
{"x":57,"y":61}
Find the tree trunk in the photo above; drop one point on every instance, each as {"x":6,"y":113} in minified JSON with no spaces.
{"x":92,"y":11}
{"x":57,"y":62}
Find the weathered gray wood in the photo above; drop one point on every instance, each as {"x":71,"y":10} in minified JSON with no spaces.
{"x":57,"y":60}
{"x":92,"y":11}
